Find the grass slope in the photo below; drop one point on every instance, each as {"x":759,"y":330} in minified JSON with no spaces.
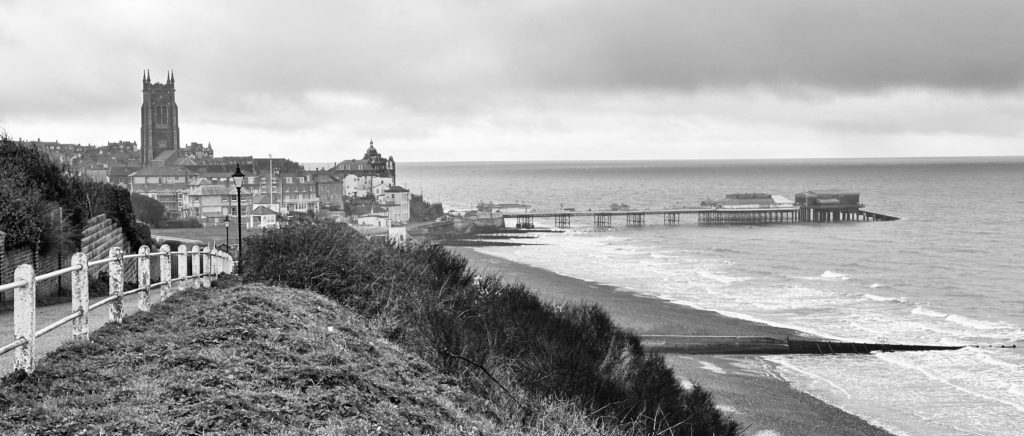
{"x":247,"y":360}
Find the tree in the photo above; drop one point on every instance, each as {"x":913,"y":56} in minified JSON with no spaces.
{"x":33,"y":187}
{"x":147,"y":210}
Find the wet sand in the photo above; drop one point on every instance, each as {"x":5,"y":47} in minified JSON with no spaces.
{"x":746,"y":387}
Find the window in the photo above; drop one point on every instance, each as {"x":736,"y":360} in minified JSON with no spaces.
{"x":161,"y":114}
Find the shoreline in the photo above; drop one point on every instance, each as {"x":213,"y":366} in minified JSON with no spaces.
{"x":745,"y":386}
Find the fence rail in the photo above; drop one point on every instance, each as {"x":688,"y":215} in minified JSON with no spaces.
{"x":204,"y":264}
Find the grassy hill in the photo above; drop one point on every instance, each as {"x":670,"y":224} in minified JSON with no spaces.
{"x":350,"y":336}
{"x":249,"y":359}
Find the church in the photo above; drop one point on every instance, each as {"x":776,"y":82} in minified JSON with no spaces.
{"x":160,"y":135}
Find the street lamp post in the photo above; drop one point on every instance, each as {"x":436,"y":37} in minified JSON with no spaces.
{"x":239,"y":180}
{"x":227,"y":236}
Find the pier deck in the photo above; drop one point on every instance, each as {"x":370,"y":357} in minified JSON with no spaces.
{"x":707,"y":215}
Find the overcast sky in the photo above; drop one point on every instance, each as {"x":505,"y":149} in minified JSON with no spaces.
{"x":527,"y":80}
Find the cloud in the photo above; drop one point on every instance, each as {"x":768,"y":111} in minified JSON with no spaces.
{"x":559,"y":75}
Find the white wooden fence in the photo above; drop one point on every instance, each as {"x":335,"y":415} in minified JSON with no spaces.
{"x":205,"y":264}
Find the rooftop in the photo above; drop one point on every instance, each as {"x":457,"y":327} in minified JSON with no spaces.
{"x":153,"y":171}
{"x":262,"y":210}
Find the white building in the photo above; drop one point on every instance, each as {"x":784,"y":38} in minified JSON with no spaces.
{"x":396,"y":200}
{"x":399,"y":234}
{"x":356,"y":185}
{"x":376,"y":216}
{"x":262,"y":218}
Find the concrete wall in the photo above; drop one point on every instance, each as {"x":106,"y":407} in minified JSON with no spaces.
{"x":100,"y":235}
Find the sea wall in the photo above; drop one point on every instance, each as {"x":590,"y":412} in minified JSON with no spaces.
{"x":477,"y":224}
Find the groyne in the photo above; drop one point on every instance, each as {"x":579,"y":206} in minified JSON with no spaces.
{"x":768,"y":345}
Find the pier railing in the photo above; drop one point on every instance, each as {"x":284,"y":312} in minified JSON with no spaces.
{"x":544,"y":213}
{"x":195,"y":268}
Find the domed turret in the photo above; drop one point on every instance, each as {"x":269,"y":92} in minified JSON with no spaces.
{"x":371,"y":153}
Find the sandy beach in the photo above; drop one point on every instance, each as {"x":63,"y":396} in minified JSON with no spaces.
{"x":744,"y":386}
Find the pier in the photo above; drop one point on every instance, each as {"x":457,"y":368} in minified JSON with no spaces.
{"x":822,"y":206}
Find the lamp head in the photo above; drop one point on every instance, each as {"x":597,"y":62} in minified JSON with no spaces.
{"x":227,"y":221}
{"x":238,"y":177}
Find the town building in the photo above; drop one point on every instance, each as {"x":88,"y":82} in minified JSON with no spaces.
{"x":298,"y":193}
{"x":197,"y":150}
{"x":396,"y":200}
{"x":373,"y":164}
{"x":211,"y":202}
{"x":121,"y":147}
{"x":168,"y":185}
{"x":265,"y":201}
{"x":330,"y":189}
{"x":372,"y":215}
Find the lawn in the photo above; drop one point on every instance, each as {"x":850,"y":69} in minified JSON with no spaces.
{"x":206,"y":234}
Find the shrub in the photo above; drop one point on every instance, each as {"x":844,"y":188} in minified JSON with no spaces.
{"x":143,"y":232}
{"x":490,"y":335}
{"x":147,"y":209}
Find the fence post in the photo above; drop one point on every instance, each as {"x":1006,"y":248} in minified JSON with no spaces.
{"x":207,"y":267}
{"x":144,"y":282}
{"x":116,"y":282}
{"x":25,"y":318}
{"x":80,"y":296}
{"x":165,"y":271}
{"x":214,"y":264}
{"x":182,"y":267}
{"x":195,"y":267}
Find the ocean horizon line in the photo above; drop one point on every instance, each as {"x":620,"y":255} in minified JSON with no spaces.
{"x":885,"y":159}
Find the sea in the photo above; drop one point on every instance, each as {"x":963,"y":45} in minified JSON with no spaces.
{"x":949,"y":272}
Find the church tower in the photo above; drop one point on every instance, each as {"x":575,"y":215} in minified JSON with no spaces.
{"x":159,"y":118}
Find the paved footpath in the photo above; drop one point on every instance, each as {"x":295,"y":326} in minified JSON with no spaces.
{"x":47,"y":315}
